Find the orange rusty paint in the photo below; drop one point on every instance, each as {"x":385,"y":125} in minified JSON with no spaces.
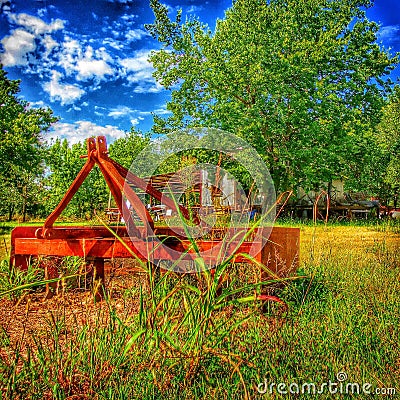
{"x":279,"y":253}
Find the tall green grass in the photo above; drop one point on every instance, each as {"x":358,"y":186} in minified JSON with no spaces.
{"x":186,"y":336}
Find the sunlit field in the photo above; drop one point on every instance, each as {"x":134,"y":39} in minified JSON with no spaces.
{"x":179,"y":337}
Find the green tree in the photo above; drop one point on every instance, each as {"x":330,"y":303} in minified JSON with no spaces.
{"x":64,"y":163}
{"x":388,"y":138}
{"x":21,"y":148}
{"x":300,"y":80}
{"x":124,"y":150}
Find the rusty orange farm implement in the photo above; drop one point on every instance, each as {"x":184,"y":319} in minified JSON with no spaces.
{"x":143,"y":240}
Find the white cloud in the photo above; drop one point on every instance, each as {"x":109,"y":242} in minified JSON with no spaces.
{"x":81,"y":130}
{"x":158,"y":111}
{"x":139,"y":72}
{"x":88,"y":68}
{"x":139,"y":62}
{"x":65,"y":93}
{"x":16,"y":47}
{"x":135,"y":34}
{"x":146,"y":87}
{"x":42,"y":12}
{"x":49,"y":44}
{"x":115,"y":44}
{"x":126,"y":112}
{"x":5,"y":6}
{"x":71,"y":50}
{"x":68,"y":64}
{"x":137,"y":65}
{"x":129,"y":17}
{"x":121,"y":111}
{"x":34,"y":24}
{"x":74,"y":108}
{"x":23,"y":41}
{"x":100,"y":111}
{"x":88,"y":63}
{"x":102,"y":54}
{"x":194,"y":9}
{"x":37,"y":104}
{"x":390,"y":33}
{"x":140,"y":76}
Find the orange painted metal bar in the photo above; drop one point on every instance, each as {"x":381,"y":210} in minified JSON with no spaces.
{"x":280,"y":254}
{"x":131,"y":196}
{"x":122,"y":207}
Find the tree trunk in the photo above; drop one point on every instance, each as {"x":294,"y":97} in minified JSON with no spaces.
{"x":329,"y":189}
{"x":24,"y":203}
{"x":10,"y":212}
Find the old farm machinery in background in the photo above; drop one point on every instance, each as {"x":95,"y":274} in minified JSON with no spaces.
{"x":139,"y":237}
{"x":333,"y":204}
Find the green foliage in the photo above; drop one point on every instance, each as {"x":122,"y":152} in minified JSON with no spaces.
{"x":64,"y":163}
{"x":124,"y":150}
{"x":21,"y":148}
{"x":388,"y":133}
{"x":376,"y":167}
{"x":299,"y":80}
{"x":17,"y":282}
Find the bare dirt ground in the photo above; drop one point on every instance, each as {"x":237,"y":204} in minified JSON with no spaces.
{"x":32,"y":316}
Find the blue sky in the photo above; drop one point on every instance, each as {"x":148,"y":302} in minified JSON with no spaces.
{"x":88,"y":60}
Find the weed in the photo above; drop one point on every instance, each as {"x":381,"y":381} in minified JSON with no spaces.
{"x":171,"y":336}
{"x":22,"y":281}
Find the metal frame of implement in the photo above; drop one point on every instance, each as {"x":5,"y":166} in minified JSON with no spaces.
{"x":96,"y":244}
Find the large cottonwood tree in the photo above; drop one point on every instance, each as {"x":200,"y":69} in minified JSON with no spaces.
{"x":301,"y":80}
